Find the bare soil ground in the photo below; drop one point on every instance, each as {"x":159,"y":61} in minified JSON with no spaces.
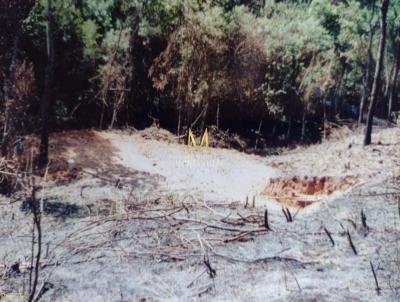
{"x":139,"y":217}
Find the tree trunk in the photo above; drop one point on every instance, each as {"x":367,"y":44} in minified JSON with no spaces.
{"x":218,"y":114}
{"x":376,"y":83}
{"x":393,"y":86}
{"x":337,"y":97}
{"x":367,"y":78}
{"x":141,"y":87}
{"x":116,"y":107}
{"x":389,"y":78}
{"x":325,"y":120}
{"x":388,"y":75}
{"x":258,"y":134}
{"x":178,"y":127}
{"x":303,"y":127}
{"x":46,"y":97}
{"x":289,"y":130}
{"x":204,"y":116}
{"x":7,"y":128}
{"x":103,"y":109}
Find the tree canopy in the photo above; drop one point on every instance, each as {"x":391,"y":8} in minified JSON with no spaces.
{"x":193,"y":63}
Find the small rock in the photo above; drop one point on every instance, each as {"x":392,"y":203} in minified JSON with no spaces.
{"x":71,"y":162}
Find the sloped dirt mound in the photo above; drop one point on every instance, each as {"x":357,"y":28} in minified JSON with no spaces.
{"x":158,"y":134}
{"x":303,"y":191}
{"x":227,"y":140}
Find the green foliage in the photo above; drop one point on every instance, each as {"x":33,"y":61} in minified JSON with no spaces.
{"x":100,"y":11}
{"x":89,"y":35}
{"x":160,"y":17}
{"x":274,"y":59}
{"x":297,"y":56}
{"x":209,"y":61}
{"x":328,"y":15}
{"x":199,"y":45}
{"x":302,"y":52}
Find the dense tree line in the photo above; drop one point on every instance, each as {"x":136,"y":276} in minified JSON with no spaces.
{"x":280,"y":68}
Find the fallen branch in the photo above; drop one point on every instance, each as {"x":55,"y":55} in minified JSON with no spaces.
{"x":241,"y":235}
{"x":265,"y":259}
{"x":213,"y":226}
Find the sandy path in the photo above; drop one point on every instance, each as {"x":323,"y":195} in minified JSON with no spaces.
{"x":215,"y":174}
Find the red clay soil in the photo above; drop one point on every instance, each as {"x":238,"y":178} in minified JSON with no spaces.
{"x":303,"y":191}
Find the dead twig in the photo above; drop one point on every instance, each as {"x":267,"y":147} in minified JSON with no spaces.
{"x":287,"y":214}
{"x":398,"y":204}
{"x":351,"y":243}
{"x":330,"y":236}
{"x":37,"y":224}
{"x":266,"y":223}
{"x":211,"y":271}
{"x":284,"y":213}
{"x":363,"y":219}
{"x":232,"y":221}
{"x":241,"y":235}
{"x":378,"y":289}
